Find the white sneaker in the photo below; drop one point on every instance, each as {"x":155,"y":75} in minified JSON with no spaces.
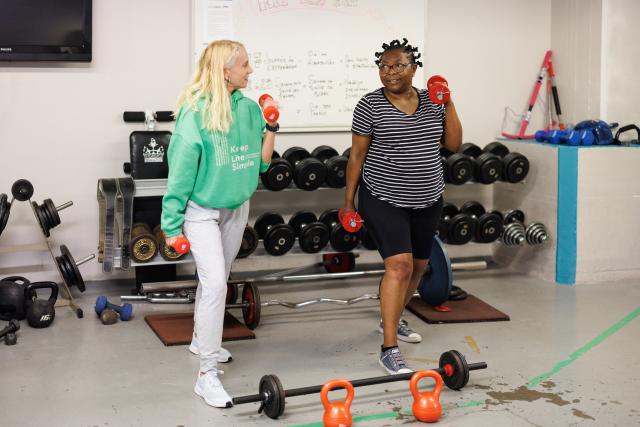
{"x":209,"y":387}
{"x":223,"y":357}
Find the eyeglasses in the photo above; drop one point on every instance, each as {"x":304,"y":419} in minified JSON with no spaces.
{"x":399,"y":67}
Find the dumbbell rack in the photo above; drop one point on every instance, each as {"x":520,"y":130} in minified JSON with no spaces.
{"x":66,"y":299}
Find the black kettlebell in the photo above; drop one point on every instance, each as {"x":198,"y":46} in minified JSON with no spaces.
{"x":40,"y":313}
{"x":12,"y":297}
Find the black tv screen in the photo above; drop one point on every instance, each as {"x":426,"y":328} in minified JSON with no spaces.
{"x":45,"y":30}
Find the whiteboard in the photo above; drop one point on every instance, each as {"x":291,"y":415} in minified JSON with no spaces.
{"x":315,"y":57}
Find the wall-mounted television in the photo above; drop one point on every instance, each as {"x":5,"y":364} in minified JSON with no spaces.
{"x":45,"y":30}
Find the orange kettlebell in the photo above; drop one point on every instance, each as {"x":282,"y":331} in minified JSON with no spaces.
{"x":270,"y":113}
{"x":336,"y":414}
{"x":426,"y":405}
{"x":438,"y":87}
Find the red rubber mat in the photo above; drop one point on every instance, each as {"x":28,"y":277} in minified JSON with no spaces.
{"x":471,"y":309}
{"x":177,"y":328}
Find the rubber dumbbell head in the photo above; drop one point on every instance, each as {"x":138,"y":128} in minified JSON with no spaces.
{"x":341,"y":240}
{"x":125,"y":310}
{"x":277,"y":237}
{"x":279,"y":174}
{"x":309,"y":173}
{"x":312,"y":234}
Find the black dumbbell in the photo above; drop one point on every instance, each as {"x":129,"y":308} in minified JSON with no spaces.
{"x":456,"y":167}
{"x":347,"y":152}
{"x":47,"y":214}
{"x":279,"y":174}
{"x":249,"y":242}
{"x":69,"y":268}
{"x":515,"y":165}
{"x":487,"y":167}
{"x":366,"y":239}
{"x":309,"y":173}
{"x":341,"y":240}
{"x":487,"y":225}
{"x":455,"y":227}
{"x":513,"y":233}
{"x":335,"y":163}
{"x":278,"y":238}
{"x":312,"y":234}
{"x":9,"y":332}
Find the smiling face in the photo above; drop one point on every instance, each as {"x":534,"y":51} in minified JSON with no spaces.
{"x":397,"y":71}
{"x":237,"y":75}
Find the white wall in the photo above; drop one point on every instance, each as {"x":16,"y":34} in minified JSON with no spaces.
{"x":61,"y":127}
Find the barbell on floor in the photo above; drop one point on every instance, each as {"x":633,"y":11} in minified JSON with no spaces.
{"x":453,"y":368}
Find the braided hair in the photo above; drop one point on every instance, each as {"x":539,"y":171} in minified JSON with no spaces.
{"x":406,"y":48}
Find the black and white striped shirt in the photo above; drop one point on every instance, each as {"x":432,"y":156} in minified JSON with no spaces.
{"x":403,"y":165}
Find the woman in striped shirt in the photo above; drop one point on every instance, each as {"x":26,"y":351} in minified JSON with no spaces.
{"x":397,"y":132}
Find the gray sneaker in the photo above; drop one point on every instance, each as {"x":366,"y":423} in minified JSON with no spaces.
{"x":405,"y":333}
{"x":393,"y":362}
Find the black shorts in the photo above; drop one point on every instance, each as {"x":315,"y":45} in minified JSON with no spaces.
{"x":399,"y":230}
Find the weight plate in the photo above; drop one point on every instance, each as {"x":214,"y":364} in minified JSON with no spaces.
{"x":266,"y":221}
{"x":42,"y":221}
{"x":339,"y":263}
{"x":143,"y":247}
{"x":314,"y":237}
{"x":516,"y":167}
{"x":50,"y":212}
{"x":457,"y":294}
{"x":460,"y":375}
{"x":497,"y":148}
{"x":232,"y":293}
{"x":324,"y":153}
{"x":73,"y":269}
{"x":330,"y":217}
{"x":488,"y":168}
{"x":249,"y":242}
{"x":336,"y":171}
{"x":279,"y":239}
{"x":309,"y":174}
{"x":343,"y":241}
{"x":271,"y":386}
{"x":300,"y":219}
{"x":278,"y":176}
{"x":5,"y":207}
{"x":251,"y":305}
{"x":22,"y":190}
{"x":435,"y":284}
{"x":470,"y":149}
{"x":295,"y":154}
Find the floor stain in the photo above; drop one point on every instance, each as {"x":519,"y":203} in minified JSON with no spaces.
{"x":575,"y":401}
{"x":579,"y":413}
{"x":482,"y":387}
{"x":615,"y":402}
{"x":523,"y":393}
{"x":548,"y":384}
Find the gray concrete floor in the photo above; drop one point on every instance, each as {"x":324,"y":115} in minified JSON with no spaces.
{"x":583,"y":340}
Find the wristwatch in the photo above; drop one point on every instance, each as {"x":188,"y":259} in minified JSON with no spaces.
{"x":273,"y":129}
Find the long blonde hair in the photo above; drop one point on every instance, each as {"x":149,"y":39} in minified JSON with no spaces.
{"x":208,"y":82}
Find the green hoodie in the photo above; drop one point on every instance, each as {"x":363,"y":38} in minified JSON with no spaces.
{"x":214,"y":169}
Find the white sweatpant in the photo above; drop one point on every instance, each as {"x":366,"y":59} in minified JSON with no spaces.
{"x":215,"y":236}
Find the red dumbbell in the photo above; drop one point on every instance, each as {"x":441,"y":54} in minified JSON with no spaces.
{"x":438,"y":88}
{"x":270,"y":113}
{"x":351,"y":221}
{"x":181,"y":245}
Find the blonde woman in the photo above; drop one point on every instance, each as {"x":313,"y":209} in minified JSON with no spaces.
{"x":220,"y":145}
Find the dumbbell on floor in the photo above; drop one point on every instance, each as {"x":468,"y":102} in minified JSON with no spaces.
{"x":487,"y":226}
{"x":69,"y":268}
{"x":312,"y":234}
{"x":125,"y":311}
{"x":341,"y":240}
{"x":9,"y":332}
{"x":278,"y":238}
{"x":515,"y":165}
{"x":336,"y":165}
{"x":47,"y":214}
{"x":487,"y":167}
{"x":456,"y":167}
{"x":279,"y":174}
{"x":309,"y":173}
